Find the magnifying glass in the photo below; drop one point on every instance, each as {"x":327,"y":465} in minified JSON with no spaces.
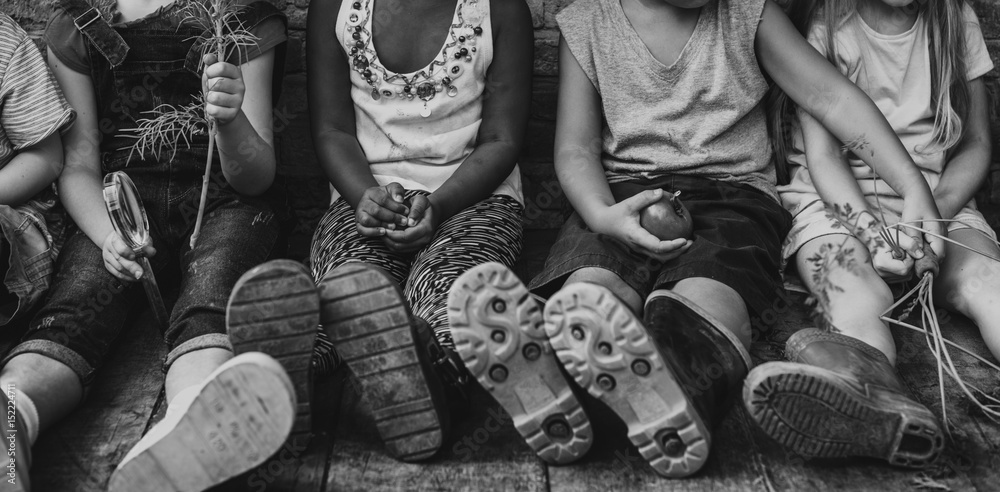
{"x":129,"y":220}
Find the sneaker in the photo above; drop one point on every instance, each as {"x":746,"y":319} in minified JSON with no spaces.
{"x":242,"y":414}
{"x":15,"y":439}
{"x":367,"y":318}
{"x":274,"y":309}
{"x":610,"y":354}
{"x":498,"y":331}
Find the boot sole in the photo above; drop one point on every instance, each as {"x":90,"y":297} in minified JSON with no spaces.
{"x":804,"y":409}
{"x":274,"y":309}
{"x":607,"y":350}
{"x":498,"y":331}
{"x":241,"y":417}
{"x":369,"y":323}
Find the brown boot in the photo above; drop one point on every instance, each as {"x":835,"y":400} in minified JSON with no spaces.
{"x":841,"y":397}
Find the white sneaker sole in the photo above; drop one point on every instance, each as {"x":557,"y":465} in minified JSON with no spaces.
{"x":498,"y":332}
{"x":242,"y":415}
{"x":609,"y":353}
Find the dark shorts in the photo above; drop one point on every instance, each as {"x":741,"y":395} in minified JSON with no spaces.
{"x":738,"y":232}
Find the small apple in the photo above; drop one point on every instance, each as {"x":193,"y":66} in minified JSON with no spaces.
{"x":667,"y":219}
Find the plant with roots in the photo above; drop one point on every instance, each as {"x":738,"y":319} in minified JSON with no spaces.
{"x":171,"y":126}
{"x":922,"y":295}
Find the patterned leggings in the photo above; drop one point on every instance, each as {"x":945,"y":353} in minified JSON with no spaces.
{"x":488,"y":231}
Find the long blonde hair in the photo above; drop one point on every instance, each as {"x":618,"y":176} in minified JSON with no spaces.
{"x":945,"y":23}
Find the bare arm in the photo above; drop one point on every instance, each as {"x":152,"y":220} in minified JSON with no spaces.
{"x":81,"y":182}
{"x":830,"y":172}
{"x":845,"y":110}
{"x":331,"y":110}
{"x":506,"y":107}
{"x":31,"y":171}
{"x":831,"y":175}
{"x":578,"y":143}
{"x":334,"y":128}
{"x":581,"y":173}
{"x":970,"y":163}
{"x":848,"y":113}
{"x":246,"y":142}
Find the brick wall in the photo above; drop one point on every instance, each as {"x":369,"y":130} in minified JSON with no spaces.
{"x":545,"y":205}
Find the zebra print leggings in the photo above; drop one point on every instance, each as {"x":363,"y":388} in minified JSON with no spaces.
{"x":488,"y":231}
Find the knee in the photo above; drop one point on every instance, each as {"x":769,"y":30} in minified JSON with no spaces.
{"x":881,"y":294}
{"x":721,"y":301}
{"x":610,"y":281}
{"x":971,"y":288}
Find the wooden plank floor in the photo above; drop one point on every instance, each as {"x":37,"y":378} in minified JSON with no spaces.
{"x":486,"y":452}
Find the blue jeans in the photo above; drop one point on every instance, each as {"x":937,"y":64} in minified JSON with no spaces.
{"x":87,"y":306}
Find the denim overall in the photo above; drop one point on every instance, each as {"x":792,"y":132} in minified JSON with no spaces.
{"x":135,"y":67}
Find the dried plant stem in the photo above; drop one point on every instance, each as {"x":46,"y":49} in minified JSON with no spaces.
{"x":946,"y":239}
{"x":924,"y":296}
{"x":213,"y":130}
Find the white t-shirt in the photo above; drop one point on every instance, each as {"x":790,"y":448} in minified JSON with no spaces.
{"x":895,"y":71}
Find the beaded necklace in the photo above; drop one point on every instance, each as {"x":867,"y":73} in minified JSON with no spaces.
{"x":439,"y":76}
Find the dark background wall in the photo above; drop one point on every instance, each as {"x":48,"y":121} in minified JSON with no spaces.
{"x":545,"y":205}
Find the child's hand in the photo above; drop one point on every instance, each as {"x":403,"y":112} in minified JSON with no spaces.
{"x":891,"y":264}
{"x":621,"y":221}
{"x":119,"y":259}
{"x":222,"y":84}
{"x":381,"y":208}
{"x":923,"y":214}
{"x":422,"y":223}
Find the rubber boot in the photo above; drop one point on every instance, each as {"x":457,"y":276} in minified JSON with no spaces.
{"x":841,"y":397}
{"x":498,"y":331}
{"x":706,"y":358}
{"x":274,"y":309}
{"x":670,"y":390}
{"x":369,"y":322}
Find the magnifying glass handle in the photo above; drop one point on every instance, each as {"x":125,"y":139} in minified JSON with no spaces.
{"x":153,"y":292}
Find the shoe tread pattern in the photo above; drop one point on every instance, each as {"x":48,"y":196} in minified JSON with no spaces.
{"x":274,"y":309}
{"x":238,"y":420}
{"x":815,"y":415}
{"x":535,"y":392}
{"x":653,"y":406}
{"x":369,"y":323}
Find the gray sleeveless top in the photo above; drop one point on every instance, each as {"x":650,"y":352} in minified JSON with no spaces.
{"x":702,"y":116}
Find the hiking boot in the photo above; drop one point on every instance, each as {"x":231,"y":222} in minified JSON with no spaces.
{"x":613,"y":355}
{"x":367,"y":318}
{"x":16,"y":467}
{"x":840,"y":397}
{"x":274,"y":309}
{"x":498,"y":331}
{"x":241,"y":415}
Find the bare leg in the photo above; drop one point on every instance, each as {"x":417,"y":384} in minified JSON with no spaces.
{"x":610,"y":281}
{"x":721,"y":301}
{"x":857,"y":296}
{"x":54,"y":388}
{"x":193,"y":368}
{"x":970,"y":284}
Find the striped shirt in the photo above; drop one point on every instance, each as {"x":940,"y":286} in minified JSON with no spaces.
{"x":31,"y":105}
{"x":32,"y":108}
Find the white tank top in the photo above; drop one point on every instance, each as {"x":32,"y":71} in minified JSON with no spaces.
{"x":417,"y":128}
